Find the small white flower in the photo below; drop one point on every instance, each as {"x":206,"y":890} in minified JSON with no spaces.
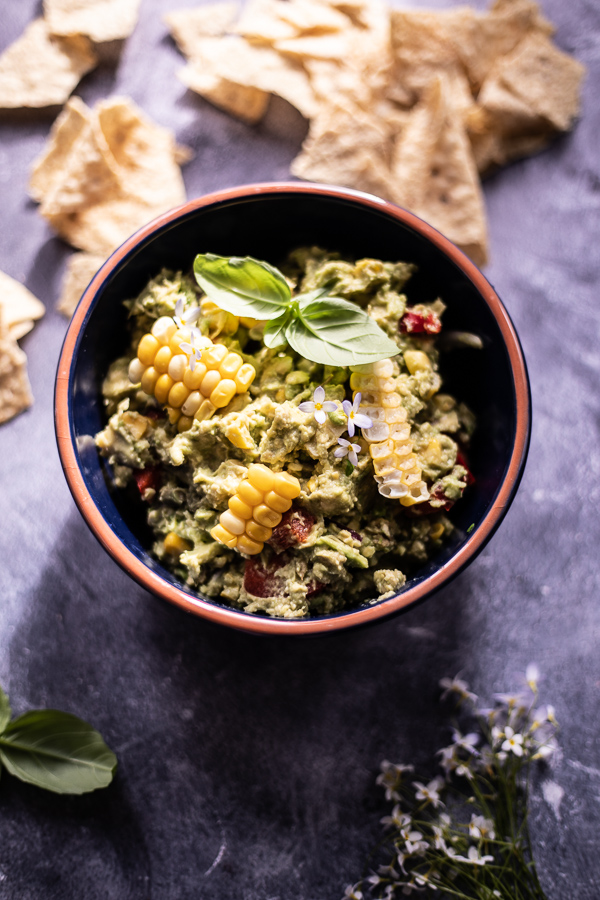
{"x":458,"y":687}
{"x":398,"y":818}
{"x":513,"y":742}
{"x":466,"y":742}
{"x":532,"y":676}
{"x":355,"y":418}
{"x":430,"y":792}
{"x":318,"y":405}
{"x":193,"y":351}
{"x":392,"y":776}
{"x":347,"y":449}
{"x":481,"y":828}
{"x":353,"y":892}
{"x":182,"y":319}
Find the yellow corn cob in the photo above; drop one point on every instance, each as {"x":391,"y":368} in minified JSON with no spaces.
{"x":255,"y":509}
{"x":164,"y":371}
{"x":221,"y":322}
{"x":397,"y":471}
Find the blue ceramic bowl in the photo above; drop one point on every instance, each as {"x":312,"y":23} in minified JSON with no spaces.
{"x":266,"y":221}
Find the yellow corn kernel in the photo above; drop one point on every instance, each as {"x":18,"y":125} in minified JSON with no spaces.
{"x":147,"y":349}
{"x":261,"y":477}
{"x":287,"y":485}
{"x":149,"y":379}
{"x":162,"y":359}
{"x":437,"y":531}
{"x":232,"y":523}
{"x":214,"y":356}
{"x":390,"y":401}
{"x":248,"y":322}
{"x":175,"y":544}
{"x":190,"y":407}
{"x":223,"y":393}
{"x":244,"y":377}
{"x":208,"y":306}
{"x":277,"y":502}
{"x":136,"y":424}
{"x":185,"y":423}
{"x":209,"y":382}
{"x":223,"y":536}
{"x":239,"y":437}
{"x":433,"y":452}
{"x":179,"y":337}
{"x":249,"y":494}
{"x":239,"y":508}
{"x":162,"y":388}
{"x":177,"y":366}
{"x":262,"y":514}
{"x":136,"y":370}
{"x":204,"y":411}
{"x":258,"y":532}
{"x":164,"y":329}
{"x":230,"y":365}
{"x":178,"y":394}
{"x":416,"y":361}
{"x":193,"y":380}
{"x":246,"y":545}
{"x":174,"y":415}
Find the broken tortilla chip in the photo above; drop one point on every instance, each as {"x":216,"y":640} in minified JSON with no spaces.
{"x":15,"y":390}
{"x":268,"y":21}
{"x":188,"y":26}
{"x":19,"y":308}
{"x":41,"y":70}
{"x":97,"y":179}
{"x":81,"y":268}
{"x":100,"y":20}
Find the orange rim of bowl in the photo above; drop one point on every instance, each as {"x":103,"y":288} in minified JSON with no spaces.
{"x":250,"y":622}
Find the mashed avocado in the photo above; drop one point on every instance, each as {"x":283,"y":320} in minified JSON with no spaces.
{"x":342,"y":543}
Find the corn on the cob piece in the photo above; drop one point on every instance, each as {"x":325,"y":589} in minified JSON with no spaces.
{"x":256,"y":509}
{"x":397,"y":471}
{"x":164,"y":371}
{"x":221,"y":322}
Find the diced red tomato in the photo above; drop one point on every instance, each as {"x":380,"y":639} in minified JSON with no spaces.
{"x":263,"y":581}
{"x":293,"y":529}
{"x":147,"y":478}
{"x":313,"y":587}
{"x":426,"y":509}
{"x":413,"y":322}
{"x":461,"y":460}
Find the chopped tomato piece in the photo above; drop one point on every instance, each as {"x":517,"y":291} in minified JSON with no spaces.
{"x":147,"y":478}
{"x":461,"y":460}
{"x":263,"y":581}
{"x":426,"y":509}
{"x":313,"y":587}
{"x":416,"y":322}
{"x":293,"y":529}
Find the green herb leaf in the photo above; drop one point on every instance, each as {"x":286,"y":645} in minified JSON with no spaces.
{"x":338,"y":333}
{"x":243,"y":286}
{"x":57,"y":751}
{"x":349,"y":468}
{"x":274,"y":332}
{"x":5,"y":711}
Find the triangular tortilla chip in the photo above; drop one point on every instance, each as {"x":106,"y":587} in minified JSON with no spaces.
{"x":15,"y":390}
{"x":434,"y":175}
{"x":41,"y":70}
{"x":100,"y":20}
{"x":18,"y":307}
{"x":81,"y":268}
{"x":188,"y":26}
{"x":267,"y":21}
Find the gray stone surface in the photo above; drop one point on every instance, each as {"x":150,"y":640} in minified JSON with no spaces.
{"x":247,"y":765}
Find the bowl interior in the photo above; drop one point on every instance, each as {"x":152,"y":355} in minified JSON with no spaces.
{"x":267,"y":226}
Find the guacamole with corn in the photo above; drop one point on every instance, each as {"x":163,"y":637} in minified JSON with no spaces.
{"x":368,"y":458}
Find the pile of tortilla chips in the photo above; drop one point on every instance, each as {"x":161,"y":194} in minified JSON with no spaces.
{"x":43,"y":66}
{"x":411,"y":105}
{"x":18,"y":311}
{"x":104,"y":173}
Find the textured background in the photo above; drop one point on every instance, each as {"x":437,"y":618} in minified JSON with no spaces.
{"x":247,"y":765}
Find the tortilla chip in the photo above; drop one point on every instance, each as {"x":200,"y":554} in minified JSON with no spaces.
{"x":18,"y":307}
{"x":81,"y":268}
{"x":41,"y":70}
{"x":100,"y":20}
{"x":434,"y":175}
{"x":15,"y":390}
{"x":268,"y":21}
{"x":188,"y":26}
{"x":97,"y":180}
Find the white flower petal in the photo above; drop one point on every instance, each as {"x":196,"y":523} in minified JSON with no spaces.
{"x":339,"y":452}
{"x":343,"y":442}
{"x":185,"y":347}
{"x":353,"y":457}
{"x":356,"y":447}
{"x":329,"y":406}
{"x":347,"y":407}
{"x":362,"y":421}
{"x":319,"y":394}
{"x":351,"y":428}
{"x":307,"y":406}
{"x":320,"y":416}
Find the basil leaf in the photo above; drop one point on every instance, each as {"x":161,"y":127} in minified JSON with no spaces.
{"x":57,"y":751}
{"x":243,"y":286}
{"x":274,"y":332}
{"x":5,"y":711}
{"x":338,"y":333}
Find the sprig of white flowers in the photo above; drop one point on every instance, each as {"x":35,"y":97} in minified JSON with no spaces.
{"x":430,"y":844}
{"x":319,"y":407}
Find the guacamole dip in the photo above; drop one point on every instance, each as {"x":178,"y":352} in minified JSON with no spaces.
{"x":367,"y":457}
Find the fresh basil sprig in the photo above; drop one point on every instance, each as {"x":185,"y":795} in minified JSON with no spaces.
{"x":319,"y":326}
{"x":54,"y":750}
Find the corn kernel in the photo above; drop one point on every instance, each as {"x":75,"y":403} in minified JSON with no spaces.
{"x":182,"y":335}
{"x":178,"y":394}
{"x":244,"y":377}
{"x":247,"y":322}
{"x":164,"y":329}
{"x":230,"y":365}
{"x":417,"y":361}
{"x":270,"y":518}
{"x":223,"y":536}
{"x":177,"y":366}
{"x":193,"y":380}
{"x":232,"y":523}
{"x":174,"y":415}
{"x":214,"y":356}
{"x":136,"y":370}
{"x":250,"y":494}
{"x":147,"y":349}
{"x":287,"y":485}
{"x":162,"y":388}
{"x":223,"y":393}
{"x":204,"y":411}
{"x":261,"y":477}
{"x":162,"y":359}
{"x":437,"y":531}
{"x":390,"y":401}
{"x":209,"y":382}
{"x":185,"y":423}
{"x":276,"y":502}
{"x":190,"y":407}
{"x":239,"y":437}
{"x":258,"y":532}
{"x":149,"y":379}
{"x":239,"y":508}
{"x":246,"y":545}
{"x":175,"y":544}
